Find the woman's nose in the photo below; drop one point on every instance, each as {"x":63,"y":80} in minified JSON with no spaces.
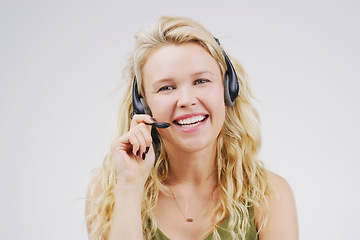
{"x":186,"y":98}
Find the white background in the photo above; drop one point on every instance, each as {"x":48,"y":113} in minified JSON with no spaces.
{"x":60,"y":62}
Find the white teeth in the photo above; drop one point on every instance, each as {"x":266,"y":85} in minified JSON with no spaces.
{"x":191,"y":121}
{"x":190,"y":125}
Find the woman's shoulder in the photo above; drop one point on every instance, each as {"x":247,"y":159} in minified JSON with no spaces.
{"x":279,"y":184}
{"x":281,"y":211}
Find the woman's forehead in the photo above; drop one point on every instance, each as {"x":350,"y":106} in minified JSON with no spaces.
{"x":189,"y":58}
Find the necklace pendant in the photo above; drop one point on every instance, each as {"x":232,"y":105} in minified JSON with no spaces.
{"x":189,"y":220}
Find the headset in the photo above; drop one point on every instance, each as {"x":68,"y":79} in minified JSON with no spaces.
{"x":231,"y":89}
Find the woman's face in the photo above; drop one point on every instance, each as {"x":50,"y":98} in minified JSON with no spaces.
{"x":184,"y":86}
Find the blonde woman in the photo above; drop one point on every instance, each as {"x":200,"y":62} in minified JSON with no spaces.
{"x":185,"y":164}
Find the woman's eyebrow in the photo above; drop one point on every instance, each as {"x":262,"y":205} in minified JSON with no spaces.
{"x":161,"y":82}
{"x":202,"y":73}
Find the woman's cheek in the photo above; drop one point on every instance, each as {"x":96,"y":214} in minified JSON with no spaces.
{"x":161,"y":107}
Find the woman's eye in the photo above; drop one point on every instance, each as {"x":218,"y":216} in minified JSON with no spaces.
{"x":200,"y":81}
{"x":166,"y":88}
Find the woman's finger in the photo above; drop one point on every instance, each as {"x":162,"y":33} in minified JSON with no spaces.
{"x":141,"y":118}
{"x":144,"y":140}
{"x":138,"y":141}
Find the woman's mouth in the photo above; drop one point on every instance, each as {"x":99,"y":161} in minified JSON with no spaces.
{"x":191,"y":121}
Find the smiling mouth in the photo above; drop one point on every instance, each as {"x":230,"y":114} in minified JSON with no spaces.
{"x":192,"y":121}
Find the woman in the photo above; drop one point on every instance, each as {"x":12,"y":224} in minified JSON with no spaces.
{"x":200,"y":177}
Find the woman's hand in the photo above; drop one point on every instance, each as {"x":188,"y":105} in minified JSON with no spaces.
{"x":133,"y":153}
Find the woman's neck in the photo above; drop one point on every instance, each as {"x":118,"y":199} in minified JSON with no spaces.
{"x":193,"y":168}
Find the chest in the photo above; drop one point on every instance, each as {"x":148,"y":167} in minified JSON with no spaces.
{"x":173,"y":216}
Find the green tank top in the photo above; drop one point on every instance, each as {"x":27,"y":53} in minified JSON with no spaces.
{"x":251,"y":233}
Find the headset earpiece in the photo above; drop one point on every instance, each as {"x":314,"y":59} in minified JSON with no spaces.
{"x":139,"y":104}
{"x":231,"y":82}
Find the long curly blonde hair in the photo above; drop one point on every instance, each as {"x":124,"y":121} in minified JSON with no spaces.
{"x":242,"y":179}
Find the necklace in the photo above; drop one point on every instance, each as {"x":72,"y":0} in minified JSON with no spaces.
{"x":191,"y":219}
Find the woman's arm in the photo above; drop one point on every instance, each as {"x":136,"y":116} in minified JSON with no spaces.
{"x":126,"y":221}
{"x":133,"y":157}
{"x":282,"y":221}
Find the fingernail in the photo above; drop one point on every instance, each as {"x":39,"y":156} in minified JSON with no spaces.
{"x":137,"y":152}
{"x":153,"y":119}
{"x":147,"y":150}
{"x":143,"y":156}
